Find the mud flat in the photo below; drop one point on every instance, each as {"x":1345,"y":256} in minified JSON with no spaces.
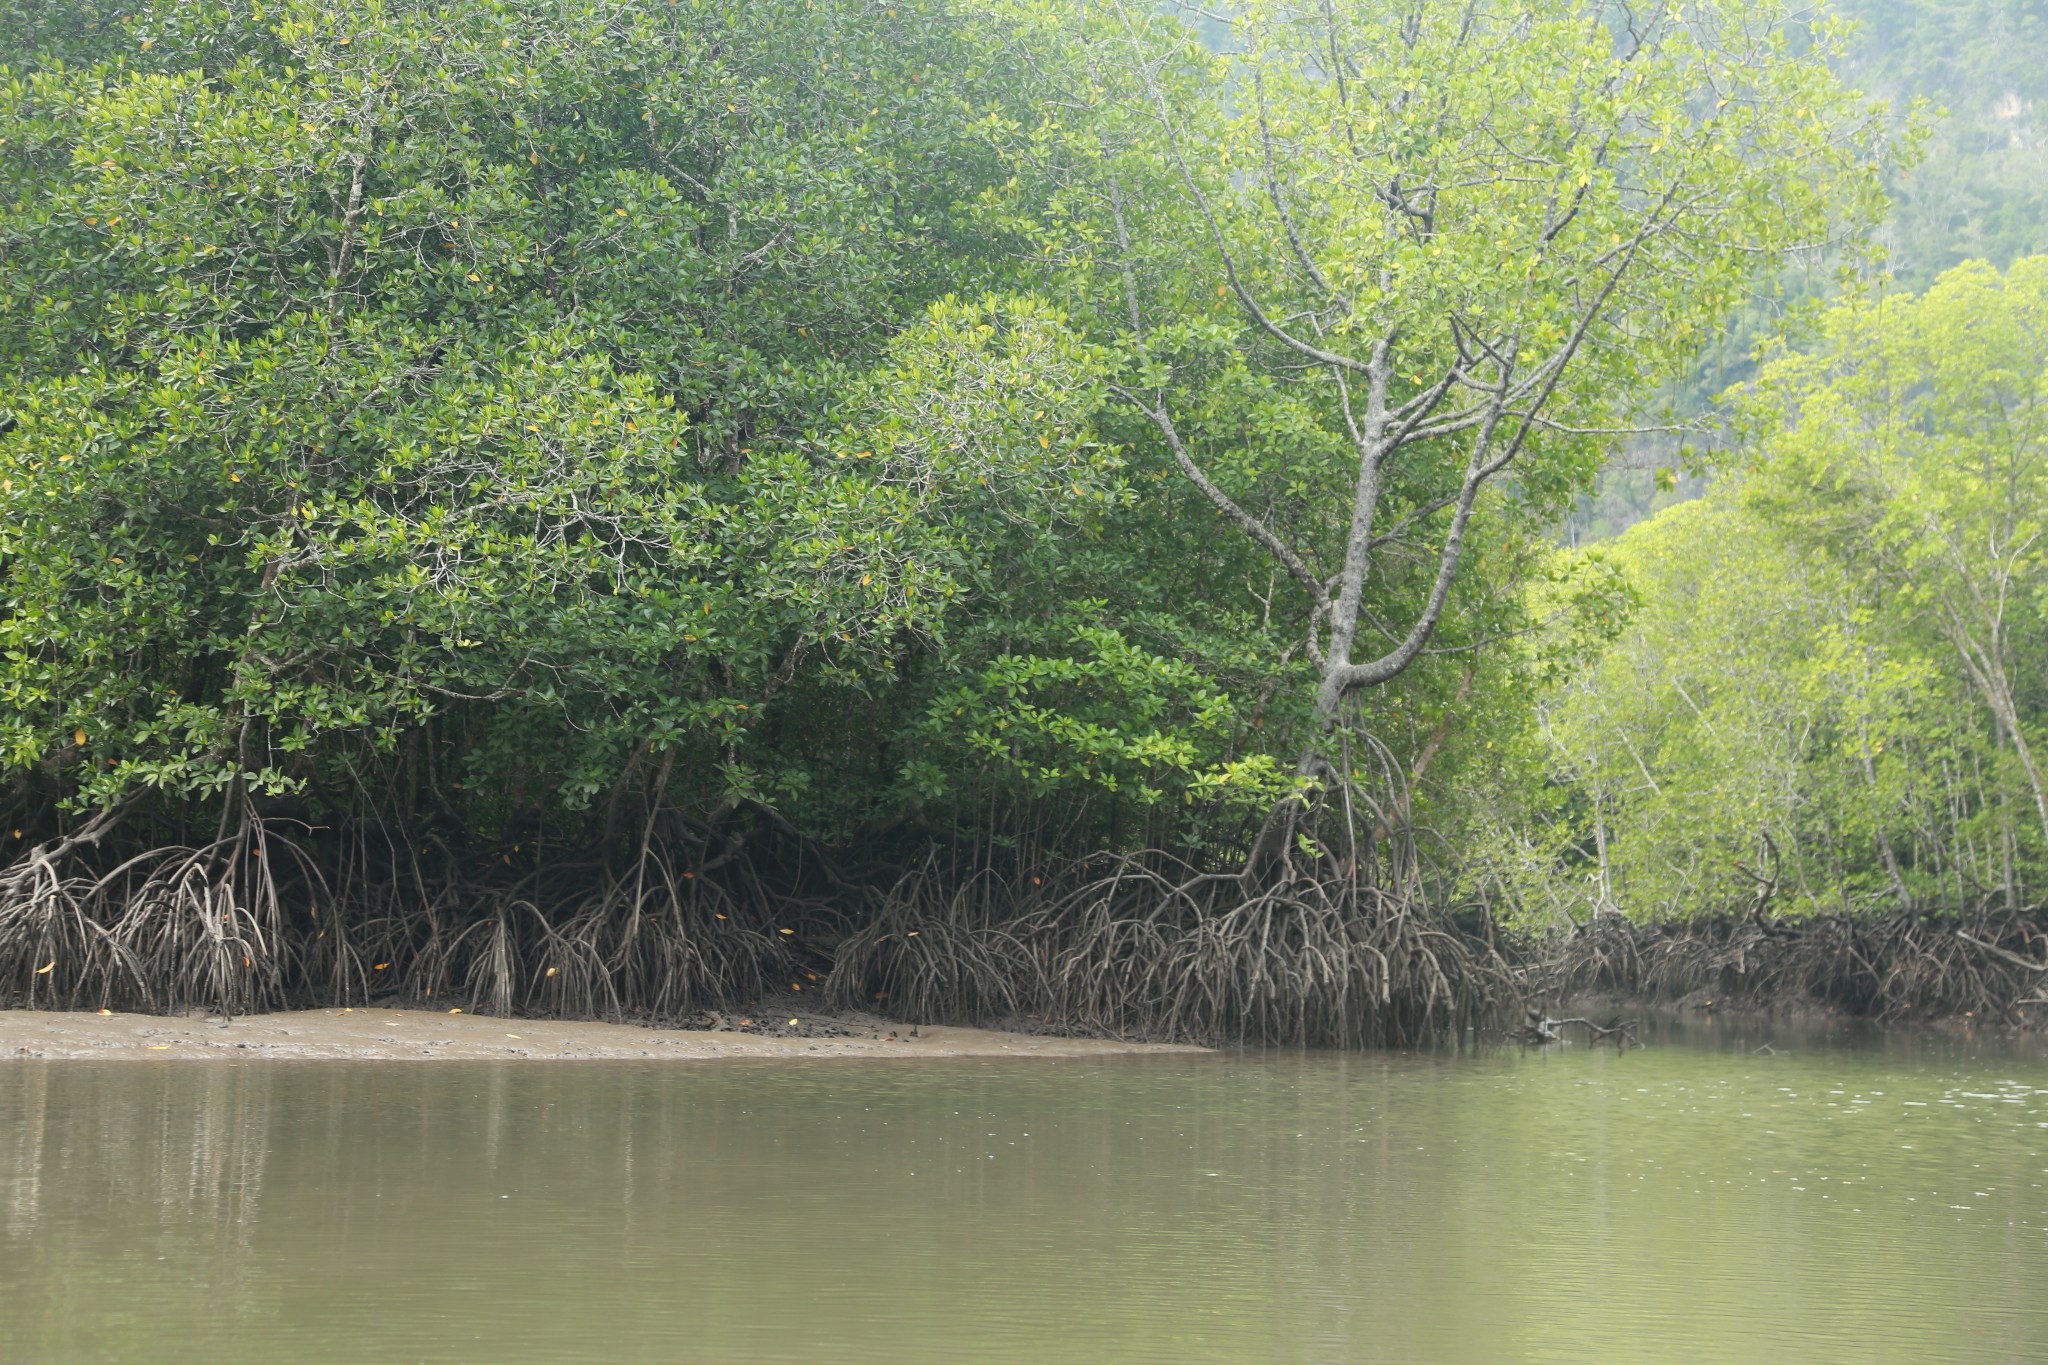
{"x":373,"y":1034}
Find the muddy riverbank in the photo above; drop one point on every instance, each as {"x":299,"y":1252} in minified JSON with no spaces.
{"x":417,"y":1035}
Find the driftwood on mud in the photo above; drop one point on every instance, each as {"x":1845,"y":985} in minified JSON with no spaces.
{"x":1540,"y":1028}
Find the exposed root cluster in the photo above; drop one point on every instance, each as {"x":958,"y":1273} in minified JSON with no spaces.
{"x":260,"y":922}
{"x":1147,"y":945}
{"x":1140,"y":945}
{"x":1896,"y":967}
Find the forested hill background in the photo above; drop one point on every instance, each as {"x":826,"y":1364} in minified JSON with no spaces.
{"x":1982,"y":192}
{"x":1979,"y":71}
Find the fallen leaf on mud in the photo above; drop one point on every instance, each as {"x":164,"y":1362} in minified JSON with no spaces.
{"x":108,"y":1013}
{"x":792,"y":1023}
{"x":551,"y":971}
{"x":511,"y":1035}
{"x":455,"y":1011}
{"x":159,"y":1047}
{"x":44,"y":970}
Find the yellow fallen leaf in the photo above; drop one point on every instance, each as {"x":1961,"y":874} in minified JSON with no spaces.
{"x":551,"y":971}
{"x":107,"y":1012}
{"x":455,"y":1011}
{"x":785,"y":931}
{"x":44,"y":970}
{"x":159,"y":1047}
{"x":792,"y":1023}
{"x":511,"y":1035}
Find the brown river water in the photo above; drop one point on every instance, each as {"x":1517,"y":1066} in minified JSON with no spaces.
{"x":1872,"y":1199}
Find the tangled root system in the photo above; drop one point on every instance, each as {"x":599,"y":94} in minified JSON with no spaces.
{"x":1895,"y":967}
{"x":1319,"y":951}
{"x":1164,"y":949}
{"x":258,"y":921}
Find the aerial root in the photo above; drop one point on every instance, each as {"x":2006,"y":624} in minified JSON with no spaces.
{"x":1294,"y":952}
{"x":1895,"y":967}
{"x":1153,"y":948}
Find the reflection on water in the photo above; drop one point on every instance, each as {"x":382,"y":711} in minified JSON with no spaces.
{"x":1694,"y":1200}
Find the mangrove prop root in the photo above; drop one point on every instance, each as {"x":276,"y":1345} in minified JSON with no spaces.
{"x":1301,"y":949}
{"x":1897,"y":966}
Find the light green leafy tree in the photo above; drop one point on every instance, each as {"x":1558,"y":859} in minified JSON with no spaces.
{"x":1827,"y":698}
{"x":1912,"y":446}
{"x":1387,"y":279}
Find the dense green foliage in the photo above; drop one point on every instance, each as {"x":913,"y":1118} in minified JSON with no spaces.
{"x":475,"y":399}
{"x":1830,"y":698}
{"x":485,"y":400}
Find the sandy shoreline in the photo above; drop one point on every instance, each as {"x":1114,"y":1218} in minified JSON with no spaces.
{"x":374,"y":1034}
